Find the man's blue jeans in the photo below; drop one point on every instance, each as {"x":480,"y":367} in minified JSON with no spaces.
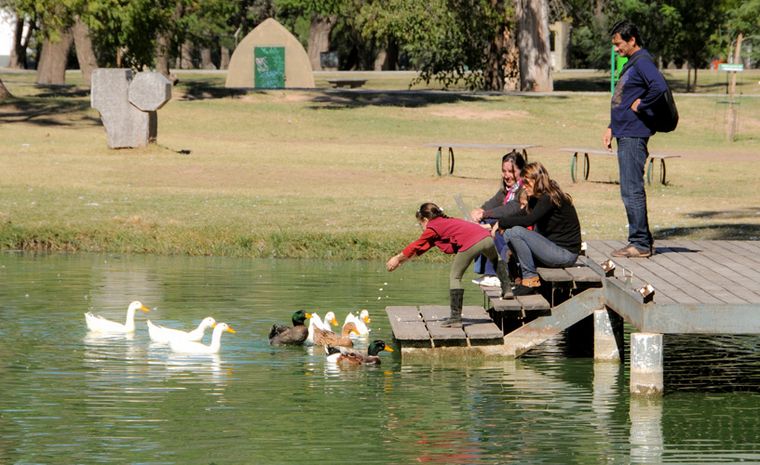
{"x":632,"y":158}
{"x":533,"y":249}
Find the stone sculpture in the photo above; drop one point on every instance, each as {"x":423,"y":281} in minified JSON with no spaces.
{"x":128,"y":104}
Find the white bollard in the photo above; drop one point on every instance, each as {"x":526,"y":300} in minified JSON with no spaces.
{"x":646,"y":364}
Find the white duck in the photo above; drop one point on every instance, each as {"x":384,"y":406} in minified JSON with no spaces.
{"x":163,"y":334}
{"x":192,"y":347}
{"x":98,"y":324}
{"x":360,"y":322}
{"x":316,"y":322}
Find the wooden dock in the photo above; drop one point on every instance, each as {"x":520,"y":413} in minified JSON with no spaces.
{"x":686,"y":287}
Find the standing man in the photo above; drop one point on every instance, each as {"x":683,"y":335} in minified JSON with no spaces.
{"x":639,"y":86}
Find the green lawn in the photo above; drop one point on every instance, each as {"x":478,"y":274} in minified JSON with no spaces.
{"x":339,"y":174}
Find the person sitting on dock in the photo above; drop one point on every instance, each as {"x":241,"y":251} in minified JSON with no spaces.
{"x":503,"y":203}
{"x":556,"y":240}
{"x":464,"y":239}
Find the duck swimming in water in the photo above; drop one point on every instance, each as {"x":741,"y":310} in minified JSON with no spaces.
{"x":329,"y":338}
{"x":361,"y":322}
{"x":98,"y":324}
{"x":163,"y":334}
{"x":346,"y":356}
{"x":316,"y":322}
{"x":286,"y":335}
{"x":190,"y":347}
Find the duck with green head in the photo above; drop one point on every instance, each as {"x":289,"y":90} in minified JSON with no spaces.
{"x":287,"y":335}
{"x":347,"y":356}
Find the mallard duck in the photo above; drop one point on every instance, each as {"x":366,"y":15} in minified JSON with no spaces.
{"x":361,"y":322}
{"x":162,"y":334}
{"x":98,"y":324}
{"x":296,"y":335}
{"x":191,"y":347}
{"x":329,"y":338}
{"x":344,"y":355}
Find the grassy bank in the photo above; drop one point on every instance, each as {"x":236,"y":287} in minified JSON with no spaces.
{"x":335,"y":174}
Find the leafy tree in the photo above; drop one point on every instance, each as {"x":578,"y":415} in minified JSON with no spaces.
{"x":447,"y":40}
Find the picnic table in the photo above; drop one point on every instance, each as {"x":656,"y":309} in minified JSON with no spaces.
{"x":452,"y":145}
{"x":587,"y":162}
{"x":347,"y":82}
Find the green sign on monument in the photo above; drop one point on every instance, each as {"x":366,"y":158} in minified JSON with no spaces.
{"x":269,"y":67}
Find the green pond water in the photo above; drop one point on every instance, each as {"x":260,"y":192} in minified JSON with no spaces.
{"x":67,"y":397}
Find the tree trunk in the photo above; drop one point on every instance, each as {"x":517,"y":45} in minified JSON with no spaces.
{"x":224,"y":60}
{"x":186,"y":55}
{"x":502,"y":69}
{"x":511,"y":60}
{"x":688,"y":77}
{"x":533,"y":40}
{"x":319,"y":39}
{"x":18,"y":52}
{"x":162,"y":54}
{"x":83,"y":45}
{"x":4,"y":92}
{"x":387,"y":58}
{"x":51,"y":69}
{"x":206,"y":61}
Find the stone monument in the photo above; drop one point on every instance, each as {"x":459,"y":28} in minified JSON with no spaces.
{"x":270,"y":57}
{"x":128,"y":103}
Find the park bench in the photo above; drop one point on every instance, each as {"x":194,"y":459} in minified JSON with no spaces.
{"x":346,"y":82}
{"x":490,"y":147}
{"x":587,"y":162}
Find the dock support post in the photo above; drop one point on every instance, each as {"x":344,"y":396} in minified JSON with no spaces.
{"x":608,"y":336}
{"x":646,"y":364}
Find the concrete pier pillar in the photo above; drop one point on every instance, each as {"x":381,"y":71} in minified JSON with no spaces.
{"x":608,"y":336}
{"x":646,"y":364}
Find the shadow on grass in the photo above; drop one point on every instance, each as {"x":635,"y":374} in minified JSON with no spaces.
{"x":46,"y":111}
{"x":582,"y":85}
{"x":753,"y":212}
{"x":717,"y":232}
{"x":61,"y":91}
{"x":204,"y":90}
{"x":412,"y":99}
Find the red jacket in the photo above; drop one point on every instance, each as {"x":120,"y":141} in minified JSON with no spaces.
{"x":451,"y":235}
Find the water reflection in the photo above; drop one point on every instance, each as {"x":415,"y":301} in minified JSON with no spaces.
{"x":646,"y":430}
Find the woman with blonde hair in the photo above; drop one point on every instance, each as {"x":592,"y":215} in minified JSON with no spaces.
{"x":556,"y":239}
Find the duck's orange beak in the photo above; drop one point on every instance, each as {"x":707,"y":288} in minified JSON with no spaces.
{"x":308,"y":315}
{"x":230,"y":330}
{"x":144,"y":308}
{"x":388,"y":349}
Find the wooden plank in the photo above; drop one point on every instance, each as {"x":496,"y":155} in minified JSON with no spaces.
{"x":433,"y":314}
{"x":505,"y":305}
{"x":584,"y":274}
{"x":404,"y":326}
{"x":742,"y":288}
{"x":554,"y":274}
{"x":697,"y":283}
{"x":533,"y":302}
{"x":479,"y":327}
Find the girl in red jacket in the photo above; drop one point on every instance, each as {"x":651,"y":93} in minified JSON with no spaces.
{"x":462,"y":238}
